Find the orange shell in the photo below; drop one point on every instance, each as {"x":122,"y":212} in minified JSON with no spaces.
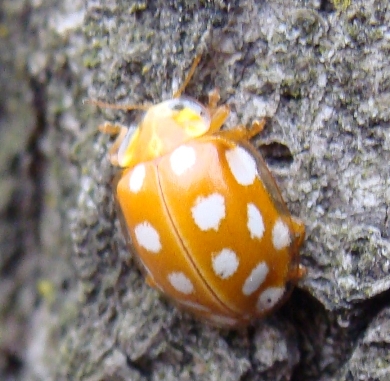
{"x":211,"y":229}
{"x":204,"y":215}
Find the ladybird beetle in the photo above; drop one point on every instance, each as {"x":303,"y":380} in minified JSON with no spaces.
{"x":203,"y":213}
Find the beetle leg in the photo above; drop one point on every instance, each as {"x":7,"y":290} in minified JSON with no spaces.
{"x":299,"y":231}
{"x":218,"y":118}
{"x":114,"y":129}
{"x":214,"y":98}
{"x":218,"y":114}
{"x":297,"y":273}
{"x":110,"y":129}
{"x":240,"y":132}
{"x":256,"y":128}
{"x":298,"y":228}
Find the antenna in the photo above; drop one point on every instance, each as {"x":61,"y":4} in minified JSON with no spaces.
{"x":115,"y":106}
{"x":178,"y":92}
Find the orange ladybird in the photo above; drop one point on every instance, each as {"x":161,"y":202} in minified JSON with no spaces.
{"x":204,"y":215}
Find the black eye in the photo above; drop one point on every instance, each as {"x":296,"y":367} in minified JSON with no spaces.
{"x":189,"y":104}
{"x":178,"y":106}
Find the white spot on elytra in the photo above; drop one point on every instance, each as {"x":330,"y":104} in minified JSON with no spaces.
{"x":280,"y":235}
{"x":137,"y":178}
{"x":195,"y":306}
{"x":255,"y":279}
{"x":209,"y":211}
{"x":181,"y":283}
{"x":148,"y":237}
{"x":255,"y":222}
{"x":225,"y":263}
{"x":223,"y":320}
{"x":269,"y":298}
{"x":242,"y":165}
{"x":182,"y":159}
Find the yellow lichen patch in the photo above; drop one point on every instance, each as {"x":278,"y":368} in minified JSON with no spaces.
{"x":342,"y":4}
{"x":46,"y":290}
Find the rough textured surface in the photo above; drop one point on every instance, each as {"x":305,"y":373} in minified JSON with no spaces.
{"x":73,"y":305}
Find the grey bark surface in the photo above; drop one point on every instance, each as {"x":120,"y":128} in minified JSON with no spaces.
{"x":73,"y":304}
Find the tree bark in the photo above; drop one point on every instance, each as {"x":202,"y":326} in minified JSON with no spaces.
{"x":73,"y":304}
